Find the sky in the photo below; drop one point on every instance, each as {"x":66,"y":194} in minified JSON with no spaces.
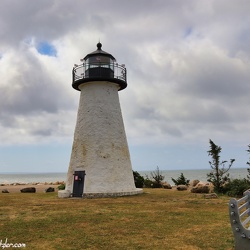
{"x":188,"y":74}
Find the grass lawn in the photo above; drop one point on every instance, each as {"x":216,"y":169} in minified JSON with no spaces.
{"x":156,"y":219}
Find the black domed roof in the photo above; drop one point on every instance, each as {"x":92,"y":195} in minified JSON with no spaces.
{"x":98,"y":52}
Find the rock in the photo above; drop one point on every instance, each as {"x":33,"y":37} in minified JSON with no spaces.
{"x":49,"y":189}
{"x":211,"y":196}
{"x":28,"y":190}
{"x":201,"y":187}
{"x":193,"y":183}
{"x":5,"y":191}
{"x":181,"y":187}
{"x":166,"y":185}
{"x":64,"y":194}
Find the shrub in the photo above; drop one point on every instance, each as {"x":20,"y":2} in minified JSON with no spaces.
{"x":151,"y":184}
{"x":139,"y":180}
{"x":157,"y":178}
{"x":148,"y":183}
{"x":155,"y":181}
{"x":236,"y":187}
{"x":181,"y":180}
{"x":156,"y":185}
{"x":61,"y":187}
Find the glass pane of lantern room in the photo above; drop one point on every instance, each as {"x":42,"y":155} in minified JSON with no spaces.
{"x":87,"y":64}
{"x":94,"y":61}
{"x":112,"y":64}
{"x":104,"y":61}
{"x":107,"y":62}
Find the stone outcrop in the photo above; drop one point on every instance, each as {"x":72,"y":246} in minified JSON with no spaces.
{"x":166,"y":185}
{"x":28,"y":190}
{"x":181,"y":187}
{"x":211,"y":196}
{"x":193,"y":183}
{"x":203,"y":188}
{"x":49,"y":190}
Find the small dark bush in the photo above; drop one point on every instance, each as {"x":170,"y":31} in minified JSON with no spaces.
{"x":139,"y":180}
{"x":236,"y":187}
{"x":61,"y":187}
{"x":181,"y":180}
{"x":156,"y":185}
{"x":148,"y":183}
{"x":157,"y":178}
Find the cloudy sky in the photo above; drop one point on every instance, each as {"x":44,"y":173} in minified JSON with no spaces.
{"x":188,"y":66}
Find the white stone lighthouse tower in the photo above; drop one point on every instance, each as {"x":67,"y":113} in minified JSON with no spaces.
{"x":100,"y":163}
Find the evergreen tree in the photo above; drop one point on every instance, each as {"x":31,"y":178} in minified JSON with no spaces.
{"x":248,"y":163}
{"x":181,"y":180}
{"x":157,"y":177}
{"x":219,"y":174}
{"x":139,"y":180}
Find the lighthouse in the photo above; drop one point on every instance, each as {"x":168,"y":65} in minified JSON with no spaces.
{"x":100,"y":164}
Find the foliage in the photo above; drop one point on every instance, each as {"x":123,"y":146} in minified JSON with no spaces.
{"x":61,"y":187}
{"x":236,"y":187}
{"x":181,"y":180}
{"x":148,"y":183}
{"x":157,"y":178}
{"x":248,"y":163}
{"x":156,"y":184}
{"x":139,"y":180}
{"x":218,"y":175}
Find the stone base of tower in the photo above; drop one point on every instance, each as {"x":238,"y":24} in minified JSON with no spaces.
{"x":67,"y":194}
{"x":64,"y":194}
{"x":116,"y":194}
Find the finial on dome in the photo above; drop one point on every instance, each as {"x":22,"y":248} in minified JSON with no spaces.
{"x":99,"y":46}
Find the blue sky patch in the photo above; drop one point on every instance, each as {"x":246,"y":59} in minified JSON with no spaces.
{"x":188,"y":31}
{"x":46,"y":48}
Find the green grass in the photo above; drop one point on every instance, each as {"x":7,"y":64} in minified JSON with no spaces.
{"x":157,"y":219}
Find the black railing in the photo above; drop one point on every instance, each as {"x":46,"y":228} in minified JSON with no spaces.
{"x":99,"y":70}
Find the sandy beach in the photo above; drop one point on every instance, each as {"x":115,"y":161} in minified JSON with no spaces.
{"x":40,"y":187}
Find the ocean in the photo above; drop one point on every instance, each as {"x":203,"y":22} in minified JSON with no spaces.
{"x":25,"y":178}
{"x":195,"y":174}
{"x":191,"y":174}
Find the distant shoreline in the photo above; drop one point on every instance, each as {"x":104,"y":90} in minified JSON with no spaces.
{"x":32,"y":183}
{"x":40,"y":187}
{"x":52,"y":178}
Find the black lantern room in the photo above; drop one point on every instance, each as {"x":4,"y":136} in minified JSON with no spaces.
{"x":99,"y":66}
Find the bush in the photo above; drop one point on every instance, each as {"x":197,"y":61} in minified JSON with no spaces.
{"x":236,"y":187}
{"x":151,"y":184}
{"x":155,"y":181}
{"x":61,"y":187}
{"x":139,"y":180}
{"x":156,"y":185}
{"x":157,"y":178}
{"x":181,"y":180}
{"x":148,"y":183}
